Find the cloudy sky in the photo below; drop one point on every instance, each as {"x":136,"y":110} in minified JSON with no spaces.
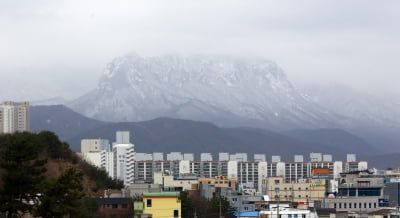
{"x":60,"y":48}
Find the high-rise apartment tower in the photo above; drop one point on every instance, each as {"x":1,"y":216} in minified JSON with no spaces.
{"x":14,"y":117}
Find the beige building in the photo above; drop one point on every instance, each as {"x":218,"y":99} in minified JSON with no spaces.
{"x":304,"y":191}
{"x":14,"y":117}
{"x":220,"y":181}
{"x":175,"y":183}
{"x":91,"y":150}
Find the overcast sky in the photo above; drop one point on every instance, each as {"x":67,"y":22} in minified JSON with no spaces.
{"x":61,"y":47}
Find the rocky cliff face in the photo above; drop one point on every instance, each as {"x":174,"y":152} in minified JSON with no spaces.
{"x":223,"y":90}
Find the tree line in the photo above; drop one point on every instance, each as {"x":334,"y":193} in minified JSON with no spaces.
{"x":24,"y":188}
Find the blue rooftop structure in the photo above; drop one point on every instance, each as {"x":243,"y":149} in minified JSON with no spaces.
{"x":247,"y":214}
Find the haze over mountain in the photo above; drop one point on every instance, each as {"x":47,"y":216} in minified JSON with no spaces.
{"x":224,"y":90}
{"x":232,"y":92}
{"x":167,"y":135}
{"x":375,"y":117}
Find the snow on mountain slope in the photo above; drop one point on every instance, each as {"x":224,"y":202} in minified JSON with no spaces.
{"x":363,"y":107}
{"x":217,"y":89}
{"x":374,"y":117}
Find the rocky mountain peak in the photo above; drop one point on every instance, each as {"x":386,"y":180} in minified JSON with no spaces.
{"x":209,"y":88}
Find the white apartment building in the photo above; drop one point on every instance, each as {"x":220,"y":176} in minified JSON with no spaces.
{"x":91,"y":150}
{"x":248,"y":173}
{"x":14,"y":117}
{"x":123,"y":161}
{"x":107,"y":161}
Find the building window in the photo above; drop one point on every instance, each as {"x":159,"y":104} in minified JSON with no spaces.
{"x":349,"y":205}
{"x":374,"y":205}
{"x":148,"y":204}
{"x":246,"y":208}
{"x":124,"y":206}
{"x":344,"y":205}
{"x":369,"y":205}
{"x":359,"y":205}
{"x":365,"y":205}
{"x":355,"y":205}
{"x":276,"y":181}
{"x":115,"y":206}
{"x":340,"y":205}
{"x":334,"y":205}
{"x":176,"y":213}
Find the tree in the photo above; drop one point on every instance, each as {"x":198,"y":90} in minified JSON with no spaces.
{"x":221,"y":203}
{"x":187,"y":206}
{"x":22,"y":173}
{"x":62,"y":197}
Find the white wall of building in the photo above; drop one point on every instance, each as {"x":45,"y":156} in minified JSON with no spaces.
{"x":93,"y":158}
{"x":90,"y":145}
{"x":14,"y":117}
{"x":123,"y":160}
{"x":298,"y":158}
{"x":327,"y":158}
{"x":362,"y":165}
{"x":280,"y":169}
{"x":351,"y":158}
{"x":223,"y":156}
{"x":241,"y":157}
{"x":184,"y":167}
{"x":188,"y":156}
{"x":337,"y":169}
{"x":276,"y":158}
{"x":206,"y":157}
{"x":262,"y":173}
{"x":259,"y":157}
{"x":143,"y":156}
{"x":315,"y":157}
{"x":158,"y":156}
{"x":175,"y":156}
{"x":232,"y":169}
{"x":107,"y":162}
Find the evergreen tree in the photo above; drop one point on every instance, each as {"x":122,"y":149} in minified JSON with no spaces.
{"x":187,"y":206}
{"x":62,"y":197}
{"x":221,"y":203}
{"x":22,"y":174}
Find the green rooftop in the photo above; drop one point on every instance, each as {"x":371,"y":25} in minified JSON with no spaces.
{"x":153,"y":194}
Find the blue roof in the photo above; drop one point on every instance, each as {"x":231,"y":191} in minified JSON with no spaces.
{"x":246,"y":214}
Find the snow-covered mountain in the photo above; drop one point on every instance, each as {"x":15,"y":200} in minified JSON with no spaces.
{"x":361,"y":106}
{"x":374,"y":117}
{"x":223,"y":90}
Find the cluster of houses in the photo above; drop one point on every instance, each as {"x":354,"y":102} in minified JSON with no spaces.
{"x":253,"y":188}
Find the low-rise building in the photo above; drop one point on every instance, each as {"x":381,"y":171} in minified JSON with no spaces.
{"x":358,"y":192}
{"x":303,"y":192}
{"x":114,"y":207}
{"x":170,"y":182}
{"x":162,"y":204}
{"x":220,"y":181}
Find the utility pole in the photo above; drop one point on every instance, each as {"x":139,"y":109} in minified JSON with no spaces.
{"x":220,"y":216}
{"x":278,"y":198}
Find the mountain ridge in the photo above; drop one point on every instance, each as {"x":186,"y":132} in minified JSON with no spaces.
{"x":223,"y":90}
{"x":169,"y":134}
